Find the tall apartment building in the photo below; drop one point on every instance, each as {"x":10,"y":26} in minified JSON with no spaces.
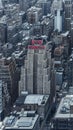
{"x":70,"y":70}
{"x":10,"y":24}
{"x":45,"y":5}
{"x":34,"y":14}
{"x":68,"y":13}
{"x":13,"y":20}
{"x":3,"y":30}
{"x":8,"y":74}
{"x":4,"y":100}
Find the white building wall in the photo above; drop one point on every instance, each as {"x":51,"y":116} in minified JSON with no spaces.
{"x":58,"y":21}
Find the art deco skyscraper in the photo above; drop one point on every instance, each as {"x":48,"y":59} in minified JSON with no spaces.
{"x":36,"y":75}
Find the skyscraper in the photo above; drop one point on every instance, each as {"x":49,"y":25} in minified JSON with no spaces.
{"x":23,"y":5}
{"x":68,"y":13}
{"x":13,"y":22}
{"x":57,"y":11}
{"x":45,"y":5}
{"x":8,"y":74}
{"x":36,"y":73}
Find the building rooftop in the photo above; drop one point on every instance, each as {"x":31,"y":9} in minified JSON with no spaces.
{"x":41,"y":1}
{"x":31,"y":99}
{"x":59,"y":51}
{"x":20,"y":100}
{"x":34,"y":9}
{"x":71,"y":90}
{"x":36,"y":99}
{"x":17,"y":54}
{"x":1,"y":126}
{"x":64,"y":109}
{"x":65,"y":34}
{"x":3,"y":19}
{"x":57,"y":4}
{"x":22,"y":120}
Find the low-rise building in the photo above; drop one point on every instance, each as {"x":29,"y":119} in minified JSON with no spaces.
{"x":63,"y":119}
{"x":39,"y":103}
{"x":23,"y":120}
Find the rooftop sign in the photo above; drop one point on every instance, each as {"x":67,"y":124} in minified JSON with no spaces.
{"x":36,"y":44}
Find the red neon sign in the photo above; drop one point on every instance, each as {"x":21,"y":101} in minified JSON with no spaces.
{"x":36,"y":44}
